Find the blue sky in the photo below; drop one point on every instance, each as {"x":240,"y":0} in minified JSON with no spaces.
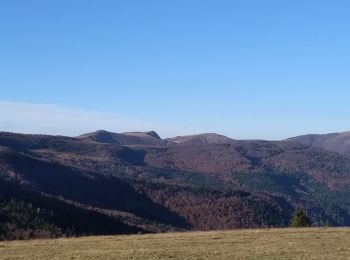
{"x":246,"y":69}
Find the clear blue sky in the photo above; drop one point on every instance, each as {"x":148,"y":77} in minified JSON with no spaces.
{"x":246,"y":69}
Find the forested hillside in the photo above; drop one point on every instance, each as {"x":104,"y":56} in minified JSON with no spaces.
{"x":107,"y":183}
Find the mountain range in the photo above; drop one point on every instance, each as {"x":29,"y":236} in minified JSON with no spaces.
{"x":137,"y":182}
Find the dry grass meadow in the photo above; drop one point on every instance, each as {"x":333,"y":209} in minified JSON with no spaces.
{"x":313,"y":243}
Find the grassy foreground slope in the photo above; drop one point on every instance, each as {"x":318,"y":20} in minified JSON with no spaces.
{"x":312,"y":243}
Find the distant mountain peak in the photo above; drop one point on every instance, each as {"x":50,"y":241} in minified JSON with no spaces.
{"x":128,"y":138}
{"x":102,"y":131}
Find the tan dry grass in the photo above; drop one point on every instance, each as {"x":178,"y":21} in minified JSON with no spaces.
{"x":313,"y":243}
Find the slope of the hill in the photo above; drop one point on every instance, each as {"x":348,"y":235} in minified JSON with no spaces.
{"x":337,"y":142}
{"x":130,"y":138}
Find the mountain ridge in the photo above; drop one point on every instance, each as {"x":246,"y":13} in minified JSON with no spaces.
{"x":337,"y":142}
{"x":143,"y":183}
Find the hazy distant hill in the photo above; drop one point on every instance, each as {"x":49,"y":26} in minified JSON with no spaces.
{"x":210,"y":138}
{"x":138,"y":182}
{"x":337,"y":142}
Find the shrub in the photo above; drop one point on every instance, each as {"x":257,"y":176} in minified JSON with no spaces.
{"x":300,"y":219}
